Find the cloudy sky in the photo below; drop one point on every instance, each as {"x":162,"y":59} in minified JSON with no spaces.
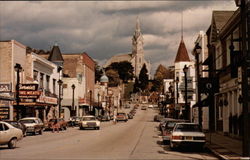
{"x":103,"y":29}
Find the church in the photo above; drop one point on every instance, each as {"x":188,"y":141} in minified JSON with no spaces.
{"x":136,"y":57}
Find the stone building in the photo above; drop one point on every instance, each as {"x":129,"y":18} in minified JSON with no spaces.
{"x":136,"y":57}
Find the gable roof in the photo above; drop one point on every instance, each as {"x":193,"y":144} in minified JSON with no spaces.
{"x":219,"y":19}
{"x":182,"y":54}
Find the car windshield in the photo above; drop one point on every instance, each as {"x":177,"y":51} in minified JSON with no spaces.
{"x":188,"y":128}
{"x":27,"y":121}
{"x":120,"y":114}
{"x":170,"y":124}
{"x":88,"y":118}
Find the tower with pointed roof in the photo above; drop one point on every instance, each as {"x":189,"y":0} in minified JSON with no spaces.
{"x":55,"y":56}
{"x":137,"y":48}
{"x":182,"y":59}
{"x":136,"y":57}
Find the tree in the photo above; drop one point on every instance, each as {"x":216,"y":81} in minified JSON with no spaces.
{"x":143,"y":78}
{"x":136,"y":86}
{"x":98,"y":72}
{"x":124,"y":69}
{"x":161,"y":73}
{"x":113,"y":78}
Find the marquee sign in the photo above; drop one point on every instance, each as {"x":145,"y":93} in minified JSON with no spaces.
{"x":28,"y":87}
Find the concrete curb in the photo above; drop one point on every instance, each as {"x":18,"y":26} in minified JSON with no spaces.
{"x":217,"y":154}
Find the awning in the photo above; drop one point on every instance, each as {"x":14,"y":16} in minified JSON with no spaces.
{"x":204,"y":103}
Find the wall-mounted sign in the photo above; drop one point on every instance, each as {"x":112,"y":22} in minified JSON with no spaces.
{"x":28,"y":87}
{"x":4,"y":113}
{"x":46,"y":99}
{"x":29,"y":94}
{"x":5,"y":87}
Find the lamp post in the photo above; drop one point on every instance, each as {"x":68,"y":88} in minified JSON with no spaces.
{"x":177,"y":92}
{"x":73,"y":96}
{"x":245,"y":22}
{"x":90,"y":101}
{"x":98,"y":103}
{"x":18,"y":68}
{"x":185,"y":70}
{"x":197,"y":51}
{"x":60,"y":82}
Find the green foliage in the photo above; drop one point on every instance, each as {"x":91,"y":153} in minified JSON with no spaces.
{"x":124,"y":70}
{"x":143,"y":78}
{"x":136,"y":86}
{"x":98,"y":72}
{"x":113,"y":78}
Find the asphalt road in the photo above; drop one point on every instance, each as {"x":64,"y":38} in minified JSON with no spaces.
{"x":136,"y":139}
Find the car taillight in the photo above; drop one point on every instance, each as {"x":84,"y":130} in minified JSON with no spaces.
{"x":177,"y":137}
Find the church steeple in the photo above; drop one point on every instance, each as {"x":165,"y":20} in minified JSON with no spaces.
{"x":56,"y":55}
{"x":137,"y":40}
{"x":182,"y":54}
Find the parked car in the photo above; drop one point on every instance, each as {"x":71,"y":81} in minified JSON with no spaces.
{"x":18,"y":125}
{"x":62,"y":124}
{"x":74,"y":121}
{"x":89,"y":122}
{"x":167,"y":130}
{"x":163,"y":122}
{"x":104,"y":118}
{"x":150,"y":106}
{"x":34,"y":125}
{"x":9,"y":134}
{"x":186,"y":134}
{"x":121,"y":116}
{"x":143,"y":107}
{"x":158,"y":118}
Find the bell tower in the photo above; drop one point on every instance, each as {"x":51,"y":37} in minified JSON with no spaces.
{"x":137,"y":48}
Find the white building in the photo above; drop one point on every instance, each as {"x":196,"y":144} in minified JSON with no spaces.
{"x":182,"y":59}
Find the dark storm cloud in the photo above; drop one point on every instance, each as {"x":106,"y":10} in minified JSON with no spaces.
{"x":104,"y":29}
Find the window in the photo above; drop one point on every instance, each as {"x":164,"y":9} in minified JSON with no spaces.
{"x":54,"y":86}
{"x":228,"y":43}
{"x":35,"y":75}
{"x":1,"y":127}
{"x":47,"y":82}
{"x":41,"y":80}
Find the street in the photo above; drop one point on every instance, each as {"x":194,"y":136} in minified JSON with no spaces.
{"x":136,"y":139}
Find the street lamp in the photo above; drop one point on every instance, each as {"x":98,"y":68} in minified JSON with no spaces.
{"x":197,"y":51}
{"x":60,"y":82}
{"x":185,"y":70}
{"x":73,"y":96}
{"x":18,"y":68}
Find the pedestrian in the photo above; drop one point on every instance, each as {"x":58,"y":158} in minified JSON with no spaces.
{"x":114,"y":119}
{"x":56,"y":126}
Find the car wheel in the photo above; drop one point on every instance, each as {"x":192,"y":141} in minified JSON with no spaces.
{"x":12,"y":143}
{"x":98,"y":128}
{"x":41,"y":132}
{"x":65,"y":128}
{"x":81,"y":128}
{"x":172,"y":146}
{"x":34,"y":133}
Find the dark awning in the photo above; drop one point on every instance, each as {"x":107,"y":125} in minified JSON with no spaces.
{"x":203,"y":103}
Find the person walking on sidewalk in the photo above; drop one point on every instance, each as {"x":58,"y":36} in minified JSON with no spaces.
{"x":56,"y":126}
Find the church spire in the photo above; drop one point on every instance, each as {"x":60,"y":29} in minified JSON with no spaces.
{"x":138,"y":28}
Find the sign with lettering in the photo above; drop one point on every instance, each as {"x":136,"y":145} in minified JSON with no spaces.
{"x":29,"y":94}
{"x":5,"y":87}
{"x":4,"y":113}
{"x":46,"y":99}
{"x":28,"y":87}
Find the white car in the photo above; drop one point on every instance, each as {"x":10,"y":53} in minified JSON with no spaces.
{"x":89,"y":122}
{"x":187,"y":134}
{"x":9,"y":134}
{"x":34,"y":125}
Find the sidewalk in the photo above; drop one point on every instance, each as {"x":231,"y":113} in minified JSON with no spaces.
{"x":223,"y":146}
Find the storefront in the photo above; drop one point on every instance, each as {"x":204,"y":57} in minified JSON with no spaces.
{"x":6,"y":101}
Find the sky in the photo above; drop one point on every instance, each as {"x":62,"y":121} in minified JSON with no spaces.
{"x":105,"y":28}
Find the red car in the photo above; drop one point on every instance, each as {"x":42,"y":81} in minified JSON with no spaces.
{"x":62,"y":124}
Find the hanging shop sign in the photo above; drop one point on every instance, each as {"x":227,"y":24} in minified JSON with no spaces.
{"x":29,"y":94}
{"x":4,"y":109}
{"x":46,"y":99}
{"x":5,"y":87}
{"x":28,"y":87}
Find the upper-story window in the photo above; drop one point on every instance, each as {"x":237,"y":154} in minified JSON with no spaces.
{"x":35,"y":75}
{"x":47,"y":82}
{"x":228,"y":43}
{"x":218,"y":57}
{"x":41,"y":80}
{"x":54,"y":86}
